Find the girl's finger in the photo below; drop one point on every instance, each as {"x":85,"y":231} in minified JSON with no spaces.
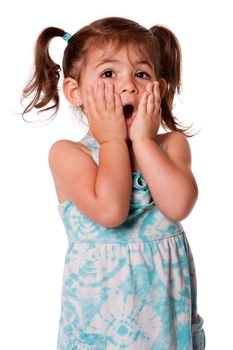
{"x":156,"y":91}
{"x":118,"y":104}
{"x":149,"y":87}
{"x":90,"y":102}
{"x":109,"y":97}
{"x":100,"y":96}
{"x":151,"y":103}
{"x":143,"y":102}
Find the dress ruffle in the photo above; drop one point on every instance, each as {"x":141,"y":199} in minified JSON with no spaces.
{"x":141,"y":197}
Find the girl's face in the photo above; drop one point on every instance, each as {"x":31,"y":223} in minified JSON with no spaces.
{"x":127,"y":69}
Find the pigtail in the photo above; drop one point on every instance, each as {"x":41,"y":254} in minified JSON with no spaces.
{"x":170,"y":70}
{"x":43,"y":85}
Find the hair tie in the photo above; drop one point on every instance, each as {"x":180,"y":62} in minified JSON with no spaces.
{"x":67,"y":37}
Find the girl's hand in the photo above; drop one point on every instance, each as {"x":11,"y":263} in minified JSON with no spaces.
{"x":148,"y":118}
{"x":105,"y":113}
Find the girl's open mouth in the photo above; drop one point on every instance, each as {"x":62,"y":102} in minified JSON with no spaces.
{"x":128,"y":111}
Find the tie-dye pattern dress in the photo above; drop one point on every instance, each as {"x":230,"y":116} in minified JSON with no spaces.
{"x":128,"y":288}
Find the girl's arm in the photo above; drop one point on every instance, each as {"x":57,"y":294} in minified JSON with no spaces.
{"x":168,"y":173}
{"x":102,"y":193}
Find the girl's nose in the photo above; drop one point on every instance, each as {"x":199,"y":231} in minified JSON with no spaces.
{"x":128,"y":85}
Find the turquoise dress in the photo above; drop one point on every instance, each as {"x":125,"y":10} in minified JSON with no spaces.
{"x":132,"y":287}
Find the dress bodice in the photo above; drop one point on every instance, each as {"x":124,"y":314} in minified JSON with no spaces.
{"x":144,"y":222}
{"x":129,"y":287}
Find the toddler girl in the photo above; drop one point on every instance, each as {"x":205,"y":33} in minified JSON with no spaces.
{"x":129,"y":278}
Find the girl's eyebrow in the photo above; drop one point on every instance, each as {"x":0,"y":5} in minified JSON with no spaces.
{"x":110,"y":60}
{"x":106,"y":60}
{"x":147,"y":63}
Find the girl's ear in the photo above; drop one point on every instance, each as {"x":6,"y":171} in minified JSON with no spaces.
{"x":71,"y":91}
{"x":162,"y":87}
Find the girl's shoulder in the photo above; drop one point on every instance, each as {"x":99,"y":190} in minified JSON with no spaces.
{"x":67,"y":156}
{"x":171,"y":138}
{"x":175,"y":145}
{"x":63,"y":146}
{"x":66,"y":161}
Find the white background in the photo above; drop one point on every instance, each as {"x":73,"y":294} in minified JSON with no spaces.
{"x":33,"y":240}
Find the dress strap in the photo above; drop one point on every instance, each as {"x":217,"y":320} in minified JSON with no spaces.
{"x":91,"y":143}
{"x":161,"y":147}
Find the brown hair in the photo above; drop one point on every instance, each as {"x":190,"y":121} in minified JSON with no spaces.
{"x":159,"y":43}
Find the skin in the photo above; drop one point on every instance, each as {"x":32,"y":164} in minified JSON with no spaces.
{"x":110,"y":80}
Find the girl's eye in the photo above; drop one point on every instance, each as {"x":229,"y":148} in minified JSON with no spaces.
{"x":108,"y":74}
{"x":143,"y":75}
